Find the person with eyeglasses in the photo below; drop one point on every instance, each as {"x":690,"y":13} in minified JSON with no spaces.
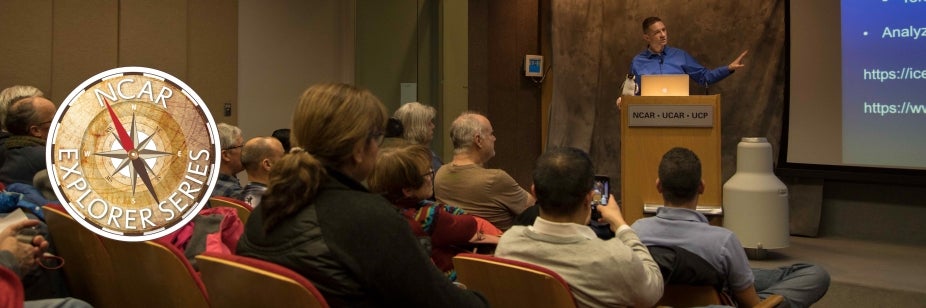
{"x":318,"y":220}
{"x":28,"y":120}
{"x":227,"y":185}
{"x":403,"y":175}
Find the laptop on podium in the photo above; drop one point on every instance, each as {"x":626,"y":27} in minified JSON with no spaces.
{"x":664,"y":85}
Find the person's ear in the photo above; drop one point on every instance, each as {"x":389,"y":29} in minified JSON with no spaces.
{"x":408,"y":192}
{"x":533,"y":191}
{"x":226,"y":156}
{"x":266,"y":164}
{"x":35,"y":131}
{"x":658,"y":186}
{"x":359,"y":151}
{"x":701,"y":188}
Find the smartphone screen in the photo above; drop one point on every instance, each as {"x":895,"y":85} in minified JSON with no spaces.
{"x":602,"y":189}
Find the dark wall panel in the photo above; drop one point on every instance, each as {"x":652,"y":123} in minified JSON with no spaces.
{"x":501,"y":34}
{"x":86,"y":42}
{"x":25,"y":51}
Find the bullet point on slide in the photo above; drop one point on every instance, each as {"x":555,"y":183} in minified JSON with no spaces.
{"x":865,"y":33}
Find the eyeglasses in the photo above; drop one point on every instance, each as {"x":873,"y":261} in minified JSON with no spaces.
{"x":430,"y":173}
{"x":232,"y":147}
{"x":378,"y":136}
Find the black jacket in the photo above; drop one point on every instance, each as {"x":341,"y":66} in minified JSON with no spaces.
{"x":356,"y":249}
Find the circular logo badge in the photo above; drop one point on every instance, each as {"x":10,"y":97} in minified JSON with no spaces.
{"x":132,"y":154}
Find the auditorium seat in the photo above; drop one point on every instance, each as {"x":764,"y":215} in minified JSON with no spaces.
{"x":238,"y":281}
{"x":244,"y":209}
{"x":155,"y":274}
{"x":88,"y":268}
{"x":511,"y":283}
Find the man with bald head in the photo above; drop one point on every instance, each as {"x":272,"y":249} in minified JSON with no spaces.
{"x":465,"y":182}
{"x":28,"y":121}
{"x":257,"y":156}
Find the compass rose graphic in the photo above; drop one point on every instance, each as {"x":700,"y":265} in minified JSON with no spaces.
{"x":132,"y":152}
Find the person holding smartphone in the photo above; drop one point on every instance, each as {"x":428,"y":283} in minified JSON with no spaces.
{"x":617,"y":272}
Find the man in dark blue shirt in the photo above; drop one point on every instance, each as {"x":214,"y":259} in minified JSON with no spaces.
{"x":659,"y":58}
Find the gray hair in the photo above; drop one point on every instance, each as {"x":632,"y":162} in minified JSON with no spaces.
{"x":13,"y":92}
{"x":415,"y":118}
{"x":228,"y":134}
{"x":464,"y":129}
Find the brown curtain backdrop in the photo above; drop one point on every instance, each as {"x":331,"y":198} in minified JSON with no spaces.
{"x":594,"y":41}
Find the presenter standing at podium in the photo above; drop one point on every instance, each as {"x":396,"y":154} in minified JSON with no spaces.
{"x":659,"y":58}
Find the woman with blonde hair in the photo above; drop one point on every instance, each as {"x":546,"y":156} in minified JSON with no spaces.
{"x":318,"y":220}
{"x":403,"y":176}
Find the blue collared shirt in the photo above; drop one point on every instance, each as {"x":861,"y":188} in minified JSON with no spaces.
{"x":689,"y":229}
{"x":674,"y":61}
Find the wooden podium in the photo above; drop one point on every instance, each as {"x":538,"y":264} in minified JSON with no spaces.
{"x":650,"y":126}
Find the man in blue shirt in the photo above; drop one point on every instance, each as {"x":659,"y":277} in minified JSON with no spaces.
{"x":679,"y":224}
{"x":659,"y":58}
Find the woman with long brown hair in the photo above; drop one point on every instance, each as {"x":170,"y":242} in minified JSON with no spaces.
{"x":317,"y":219}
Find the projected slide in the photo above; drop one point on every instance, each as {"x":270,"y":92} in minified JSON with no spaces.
{"x":883,"y":82}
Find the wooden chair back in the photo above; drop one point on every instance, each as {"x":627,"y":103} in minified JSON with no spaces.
{"x":244,"y":209}
{"x":238,"y":281}
{"x":88,"y":268}
{"x":155,"y":274}
{"x":510,"y":283}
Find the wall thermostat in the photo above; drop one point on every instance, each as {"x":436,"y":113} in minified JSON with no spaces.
{"x":533,"y":66}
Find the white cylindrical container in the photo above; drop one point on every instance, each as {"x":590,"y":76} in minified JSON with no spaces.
{"x":755,"y":201}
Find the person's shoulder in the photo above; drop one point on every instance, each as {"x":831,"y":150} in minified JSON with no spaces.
{"x":669,"y":50}
{"x":642,"y":222}
{"x":497,"y":173}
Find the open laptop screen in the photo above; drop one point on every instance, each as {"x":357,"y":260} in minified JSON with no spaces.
{"x":664,"y":85}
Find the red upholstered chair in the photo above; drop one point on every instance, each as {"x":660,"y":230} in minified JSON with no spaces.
{"x":510,"y":283}
{"x":11,"y":289}
{"x":244,"y":209}
{"x":155,"y":274}
{"x":239,"y":281}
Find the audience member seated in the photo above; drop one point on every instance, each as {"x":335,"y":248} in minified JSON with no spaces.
{"x":464,"y":182}
{"x":403,"y":175}
{"x":257,"y":156}
{"x":283,"y":136}
{"x":6,"y":99}
{"x":618,"y":272}
{"x":393,"y":134}
{"x":231,"y":142}
{"x":418,"y":121}
{"x":679,"y":224}
{"x":22,"y":254}
{"x":318,"y":219}
{"x":28,"y":120}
